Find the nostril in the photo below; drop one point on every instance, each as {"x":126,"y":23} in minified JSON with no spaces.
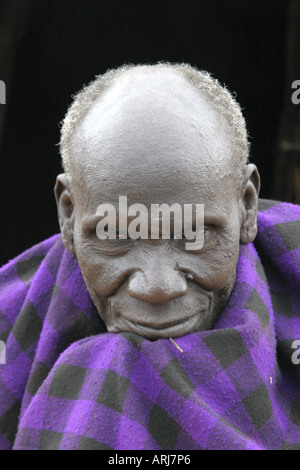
{"x":157,"y":290}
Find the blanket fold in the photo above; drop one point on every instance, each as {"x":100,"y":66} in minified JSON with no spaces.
{"x":68,"y":384}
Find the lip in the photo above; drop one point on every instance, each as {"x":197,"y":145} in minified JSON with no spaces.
{"x":166,"y":330}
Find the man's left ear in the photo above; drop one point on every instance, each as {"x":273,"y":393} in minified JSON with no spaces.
{"x":249,"y":203}
{"x":65,"y":209}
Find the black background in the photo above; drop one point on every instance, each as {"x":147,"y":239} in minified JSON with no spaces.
{"x":68,"y":42}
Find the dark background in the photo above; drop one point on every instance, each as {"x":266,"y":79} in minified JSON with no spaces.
{"x":63,"y":44}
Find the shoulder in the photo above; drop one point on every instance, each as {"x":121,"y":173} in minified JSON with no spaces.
{"x":279,"y":218}
{"x":17,"y":276}
{"x":278,"y":239}
{"x":280,"y":207}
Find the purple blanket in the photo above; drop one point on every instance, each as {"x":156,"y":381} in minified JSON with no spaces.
{"x":68,"y":384}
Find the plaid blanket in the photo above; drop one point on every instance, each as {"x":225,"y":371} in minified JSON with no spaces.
{"x":68,"y":384}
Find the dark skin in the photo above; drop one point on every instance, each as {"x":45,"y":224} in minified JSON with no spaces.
{"x":156,"y":143}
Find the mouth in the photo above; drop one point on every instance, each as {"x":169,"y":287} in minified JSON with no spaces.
{"x":169,"y":329}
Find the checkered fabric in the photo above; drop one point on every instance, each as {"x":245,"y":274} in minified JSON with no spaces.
{"x":68,"y":384}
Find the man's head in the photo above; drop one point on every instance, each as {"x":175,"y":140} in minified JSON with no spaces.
{"x":156,"y":135}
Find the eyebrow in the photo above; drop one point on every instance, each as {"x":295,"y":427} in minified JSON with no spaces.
{"x":219,"y":220}
{"x":89,"y":222}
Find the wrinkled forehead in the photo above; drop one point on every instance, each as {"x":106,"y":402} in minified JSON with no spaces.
{"x":152,"y":136}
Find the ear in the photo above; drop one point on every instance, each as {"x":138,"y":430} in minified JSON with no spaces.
{"x":65,"y":209}
{"x":249,"y":199}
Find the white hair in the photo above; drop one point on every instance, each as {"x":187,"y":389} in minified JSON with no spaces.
{"x":222,"y":101}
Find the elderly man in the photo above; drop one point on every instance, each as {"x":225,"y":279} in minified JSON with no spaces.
{"x":122,"y":342}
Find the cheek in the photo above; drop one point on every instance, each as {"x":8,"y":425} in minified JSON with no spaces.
{"x":216,"y":268}
{"x":102,"y":274}
{"x":228,"y":251}
{"x":225,"y":265}
{"x":221,"y":271}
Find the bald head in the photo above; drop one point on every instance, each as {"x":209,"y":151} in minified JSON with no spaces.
{"x":154,"y":124}
{"x":182,"y":86}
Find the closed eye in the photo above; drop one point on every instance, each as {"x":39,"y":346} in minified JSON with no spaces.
{"x":183,"y":235}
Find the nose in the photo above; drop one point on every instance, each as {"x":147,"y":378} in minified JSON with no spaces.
{"x":157,"y":284}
